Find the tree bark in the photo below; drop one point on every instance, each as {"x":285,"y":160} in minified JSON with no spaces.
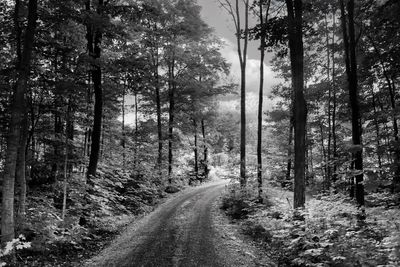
{"x":14,"y":132}
{"x":20,"y":174}
{"x":329,"y":113}
{"x":158,"y":107}
{"x":135,"y":161}
{"x":378,"y":135}
{"x":94,"y":43}
{"x":260,"y":97}
{"x":351,"y":71}
{"x":243,"y":61}
{"x":334,"y":139}
{"x":196,"y":154}
{"x":171,"y":94}
{"x":205,"y":150}
{"x":159,"y":125}
{"x":295,"y":22}
{"x":289,"y":152}
{"x":65,"y":185}
{"x":235,"y":13}
{"x":123,"y":127}
{"x":324,"y":156}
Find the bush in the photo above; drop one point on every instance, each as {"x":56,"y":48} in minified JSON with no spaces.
{"x":239,"y":204}
{"x":333,"y":232}
{"x":257,"y":231}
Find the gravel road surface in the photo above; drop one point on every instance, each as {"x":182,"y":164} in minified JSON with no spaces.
{"x":180,"y":232}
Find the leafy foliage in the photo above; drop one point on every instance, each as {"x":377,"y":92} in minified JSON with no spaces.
{"x":332,"y":233}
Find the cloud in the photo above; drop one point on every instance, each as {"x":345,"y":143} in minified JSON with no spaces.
{"x":229,"y":52}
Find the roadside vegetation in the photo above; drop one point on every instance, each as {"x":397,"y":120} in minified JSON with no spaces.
{"x":329,"y":231}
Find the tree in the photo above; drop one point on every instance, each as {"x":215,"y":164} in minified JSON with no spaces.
{"x":235,"y":13}
{"x":349,"y":41}
{"x":184,"y":26}
{"x":295,"y":32}
{"x":94,"y":36}
{"x":14,"y":132}
{"x":263,"y":21}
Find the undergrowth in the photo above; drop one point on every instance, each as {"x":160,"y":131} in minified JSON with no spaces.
{"x":333,"y":232}
{"x":94,"y":217}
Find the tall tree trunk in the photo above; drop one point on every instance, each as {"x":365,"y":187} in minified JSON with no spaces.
{"x":351,"y":71}
{"x":14,"y":131}
{"x":290,"y":147}
{"x":135,"y":159}
{"x":123,"y":128}
{"x":66,"y":172}
{"x":334,"y":138}
{"x":205,"y":150}
{"x":20,"y":174}
{"x":295,"y":22}
{"x":58,"y":125}
{"x":158,"y":107}
{"x":396,"y":178}
{"x":159,"y":125}
{"x":378,"y":135}
{"x":260,"y":97}
{"x":329,"y":113}
{"x":171,"y":94}
{"x":94,"y":43}
{"x":243,"y":61}
{"x":195,"y":150}
{"x":235,"y":12}
{"x":324,"y":157}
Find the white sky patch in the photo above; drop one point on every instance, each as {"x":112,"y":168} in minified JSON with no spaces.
{"x":229,"y":52}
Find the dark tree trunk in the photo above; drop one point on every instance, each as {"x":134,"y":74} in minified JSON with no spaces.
{"x":136,"y":158}
{"x":290,"y":147}
{"x":172,"y":87}
{"x":243,"y":61}
{"x":329,"y":112}
{"x":324,"y":157}
{"x":159,"y":127}
{"x":20,"y":174}
{"x":158,"y":106}
{"x":195,"y":150}
{"x":260,"y":98}
{"x":351,"y":71}
{"x":66,"y":151}
{"x":205,"y":150}
{"x":396,"y":178}
{"x":14,"y":132}
{"x":334,"y":107}
{"x":378,"y":135}
{"x":58,"y":125}
{"x":295,"y":22}
{"x":235,"y":12}
{"x":123,"y":143}
{"x":94,"y":43}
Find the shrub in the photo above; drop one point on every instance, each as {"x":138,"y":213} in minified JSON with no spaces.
{"x":239,"y":204}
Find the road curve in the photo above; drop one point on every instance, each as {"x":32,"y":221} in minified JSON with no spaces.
{"x":178,"y":233}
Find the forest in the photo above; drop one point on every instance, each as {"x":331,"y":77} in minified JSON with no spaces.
{"x":112,"y":109}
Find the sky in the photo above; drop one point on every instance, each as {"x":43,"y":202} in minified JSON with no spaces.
{"x":218,"y":19}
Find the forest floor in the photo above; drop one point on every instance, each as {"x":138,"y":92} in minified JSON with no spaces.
{"x":187,"y":230}
{"x":330,"y":231}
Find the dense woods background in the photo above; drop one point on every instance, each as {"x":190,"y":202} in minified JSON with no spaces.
{"x":107,"y":106}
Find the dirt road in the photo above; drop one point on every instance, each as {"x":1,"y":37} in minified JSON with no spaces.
{"x":178,"y":233}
